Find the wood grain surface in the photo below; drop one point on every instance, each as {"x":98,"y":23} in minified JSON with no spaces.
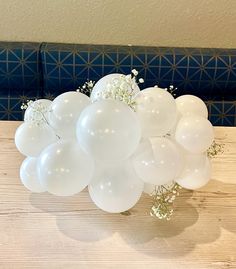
{"x":44,"y":231}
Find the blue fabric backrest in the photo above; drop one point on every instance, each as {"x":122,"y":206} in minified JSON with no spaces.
{"x":34,"y":70}
{"x":207,"y":73}
{"x":20,"y":77}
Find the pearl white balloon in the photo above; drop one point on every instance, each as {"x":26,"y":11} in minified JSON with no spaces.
{"x":38,"y":111}
{"x":108,"y":130}
{"x":196,"y":173}
{"x":160,"y":163}
{"x":105,"y":83}
{"x":115,"y":187}
{"x":190,"y":104}
{"x":28,"y":175}
{"x":156,"y":110}
{"x":64,"y":169}
{"x":65,"y":111}
{"x":194,"y":133}
{"x":31,"y":139}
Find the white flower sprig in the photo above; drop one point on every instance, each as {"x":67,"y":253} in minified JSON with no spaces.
{"x":87,"y":87}
{"x":124,"y":89}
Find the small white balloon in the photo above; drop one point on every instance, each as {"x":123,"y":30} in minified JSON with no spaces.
{"x":108,"y":130}
{"x":37,"y":111}
{"x":115,"y":187}
{"x":31,"y":138}
{"x":196,"y":173}
{"x":64,"y":113}
{"x":110,"y":83}
{"x":159,"y":163}
{"x":190,"y":104}
{"x":194,"y":133}
{"x":28,"y":175}
{"x":156,"y":110}
{"x":64,"y":169}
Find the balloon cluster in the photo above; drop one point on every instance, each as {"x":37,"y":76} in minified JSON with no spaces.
{"x":119,"y":142}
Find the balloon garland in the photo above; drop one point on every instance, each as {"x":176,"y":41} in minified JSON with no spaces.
{"x":120,"y":142}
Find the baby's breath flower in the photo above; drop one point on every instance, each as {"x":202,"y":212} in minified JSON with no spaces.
{"x":141,"y":80}
{"x":134,"y":72}
{"x":163,"y":198}
{"x":87,"y":87}
{"x":215,"y":149}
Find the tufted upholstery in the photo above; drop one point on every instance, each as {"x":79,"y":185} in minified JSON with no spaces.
{"x":50,"y":69}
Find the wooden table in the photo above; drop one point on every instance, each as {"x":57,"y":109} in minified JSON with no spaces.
{"x":44,"y":231}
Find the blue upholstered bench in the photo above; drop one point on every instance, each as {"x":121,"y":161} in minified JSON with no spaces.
{"x":33,"y":70}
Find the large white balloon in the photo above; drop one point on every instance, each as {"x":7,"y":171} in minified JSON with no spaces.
{"x":37,"y":111}
{"x":31,"y":138}
{"x":108,"y":130}
{"x":28,"y":175}
{"x":108,"y":82}
{"x":65,"y":111}
{"x":194,"y":133}
{"x":156,"y":110}
{"x":115,"y":187}
{"x":196,"y":173}
{"x":64,"y":169}
{"x":190,"y":104}
{"x":159,"y":163}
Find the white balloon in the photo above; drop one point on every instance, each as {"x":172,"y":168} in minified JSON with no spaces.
{"x":108,"y":82}
{"x":108,"y":130}
{"x":64,"y":169}
{"x":31,"y":138}
{"x":65,"y":111}
{"x":194,"y":133}
{"x":190,"y":104}
{"x":159,"y":163}
{"x":156,"y":110}
{"x":28,"y":175}
{"x":115,"y":187}
{"x":196,"y":173}
{"x":37,"y":111}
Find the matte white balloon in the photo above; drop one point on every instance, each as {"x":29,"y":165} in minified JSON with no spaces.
{"x":28,"y":175}
{"x":105,"y":84}
{"x":31,"y":139}
{"x":65,"y":111}
{"x":37,"y":111}
{"x":108,"y":130}
{"x":115,"y":187}
{"x":156,"y":110}
{"x":196,"y":173}
{"x":190,"y":104}
{"x":194,"y":133}
{"x":159,"y":163}
{"x":64,"y":169}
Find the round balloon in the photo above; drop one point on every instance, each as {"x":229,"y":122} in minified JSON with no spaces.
{"x":31,"y":138}
{"x":190,"y":104}
{"x":28,"y":175}
{"x":65,"y":111}
{"x":196,"y":173}
{"x":64,"y":169}
{"x":194,"y":133}
{"x":37,"y":111}
{"x":115,"y":187}
{"x":156,"y":110}
{"x":108,"y":130}
{"x":160,"y":163}
{"x":113,"y":82}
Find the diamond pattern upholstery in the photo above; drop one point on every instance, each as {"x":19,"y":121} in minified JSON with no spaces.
{"x":33,"y":70}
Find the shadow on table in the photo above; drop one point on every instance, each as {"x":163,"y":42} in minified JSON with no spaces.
{"x":142,"y":232}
